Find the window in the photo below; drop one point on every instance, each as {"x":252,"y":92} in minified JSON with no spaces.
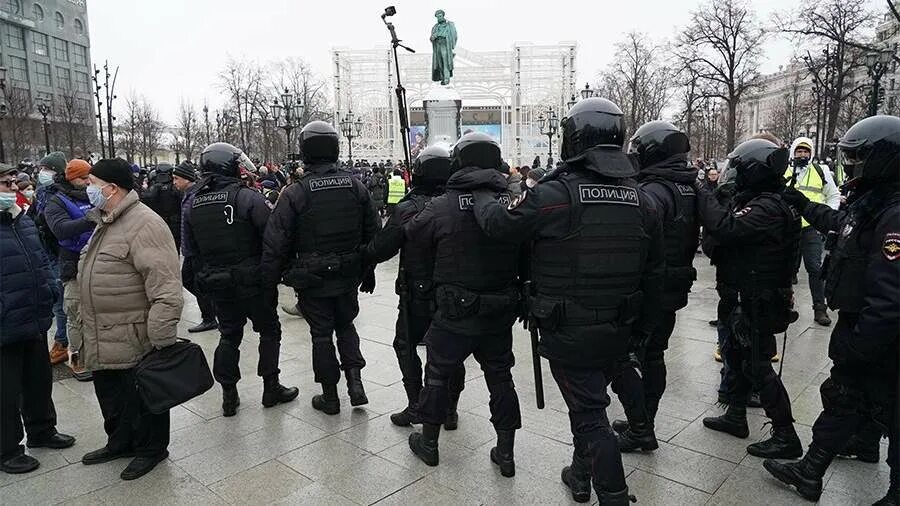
{"x":39,"y":41}
{"x":60,"y":20}
{"x":43,"y":97}
{"x":79,"y":26}
{"x":60,"y":49}
{"x":11,"y":6}
{"x":82,"y":82}
{"x":83,"y":106}
{"x":42,"y":73}
{"x":80,"y":54}
{"x":37,"y":12}
{"x":18,"y":69}
{"x":15,"y":37}
{"x":63,"y":78}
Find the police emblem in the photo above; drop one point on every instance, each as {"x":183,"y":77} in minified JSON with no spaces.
{"x":516,"y":203}
{"x":891,"y":247}
{"x":743,"y":212}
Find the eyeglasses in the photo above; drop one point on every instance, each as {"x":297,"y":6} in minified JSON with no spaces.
{"x":9,"y":183}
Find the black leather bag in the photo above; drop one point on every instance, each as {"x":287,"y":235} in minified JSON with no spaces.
{"x":173,"y":375}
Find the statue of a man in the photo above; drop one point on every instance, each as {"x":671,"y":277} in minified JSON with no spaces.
{"x":443,"y":41}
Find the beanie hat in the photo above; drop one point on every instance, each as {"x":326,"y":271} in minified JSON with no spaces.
{"x":55,"y":161}
{"x":116,"y":171}
{"x":185,"y":171}
{"x":77,"y":168}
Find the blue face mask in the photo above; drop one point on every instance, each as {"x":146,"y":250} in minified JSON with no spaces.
{"x":45,"y":177}
{"x":7,"y":201}
{"x":96,"y":196}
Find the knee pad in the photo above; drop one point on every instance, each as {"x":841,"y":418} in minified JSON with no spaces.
{"x":838,"y":399}
{"x":321,"y":340}
{"x":435,"y":376}
{"x":498,"y":380}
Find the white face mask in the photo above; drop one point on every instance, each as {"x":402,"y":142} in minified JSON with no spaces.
{"x":45,"y":177}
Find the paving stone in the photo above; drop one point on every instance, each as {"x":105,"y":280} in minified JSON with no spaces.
{"x":747,"y":485}
{"x":325,"y":456}
{"x":687,"y":467}
{"x":370,"y":479}
{"x":376,"y":435}
{"x":317,"y":494}
{"x":166,"y":485}
{"x":426,"y":491}
{"x":652,"y":489}
{"x":61,"y":484}
{"x":262,"y":484}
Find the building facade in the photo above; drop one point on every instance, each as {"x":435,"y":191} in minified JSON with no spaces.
{"x":45,"y":47}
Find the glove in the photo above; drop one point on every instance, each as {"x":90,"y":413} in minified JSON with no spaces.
{"x":795,"y":198}
{"x":368,"y":281}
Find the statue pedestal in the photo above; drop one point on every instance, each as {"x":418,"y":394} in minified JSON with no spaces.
{"x":442,"y":106}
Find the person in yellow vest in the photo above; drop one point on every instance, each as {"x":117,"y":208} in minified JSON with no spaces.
{"x":815,"y":181}
{"x":396,"y":191}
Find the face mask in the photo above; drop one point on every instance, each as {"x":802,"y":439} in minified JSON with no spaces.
{"x":7,"y":201}
{"x":801,"y":162}
{"x":45,"y":177}
{"x":96,"y":196}
{"x":29,"y":194}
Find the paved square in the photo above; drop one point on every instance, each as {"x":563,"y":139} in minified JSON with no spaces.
{"x":293,"y":454}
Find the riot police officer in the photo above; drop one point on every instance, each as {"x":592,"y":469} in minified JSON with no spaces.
{"x":759,"y":239}
{"x":165,"y":199}
{"x":414,"y":282}
{"x":313,"y":243}
{"x":476,"y":294}
{"x":597,"y":268}
{"x":225,"y":228}
{"x":862,"y":283}
{"x":661,"y":151}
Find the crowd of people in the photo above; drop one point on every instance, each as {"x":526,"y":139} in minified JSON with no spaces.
{"x":602,"y":246}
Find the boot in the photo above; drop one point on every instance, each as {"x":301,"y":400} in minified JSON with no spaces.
{"x":452,"y":420}
{"x":805,"y":475}
{"x":276,"y":393}
{"x":502,"y":454}
{"x":204,"y":326}
{"x":892,"y":498}
{"x":638,"y":437}
{"x":733,"y":422}
{"x":620,"y":426}
{"x":820,"y":315}
{"x":327,"y":402}
{"x":355,"y":387}
{"x":578,"y":478}
{"x":425,"y":444}
{"x":864,"y":451}
{"x":406,"y":417}
{"x":142,"y":465}
{"x":620,"y":498}
{"x":230,"y":400}
{"x":784,"y":444}
{"x":754,"y":401}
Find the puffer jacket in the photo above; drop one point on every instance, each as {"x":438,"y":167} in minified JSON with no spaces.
{"x":25,"y":296}
{"x":129,"y":281}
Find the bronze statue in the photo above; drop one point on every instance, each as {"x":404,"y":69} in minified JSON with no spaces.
{"x":443,"y":42}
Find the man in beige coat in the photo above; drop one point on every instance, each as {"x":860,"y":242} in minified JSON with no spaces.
{"x":131,"y":299}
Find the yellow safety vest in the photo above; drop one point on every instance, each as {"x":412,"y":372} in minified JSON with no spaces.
{"x":396,"y":190}
{"x":812,"y":185}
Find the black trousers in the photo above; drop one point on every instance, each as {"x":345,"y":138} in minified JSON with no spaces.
{"x":26,"y":384}
{"x":446,"y":353}
{"x":405,"y":342}
{"x":233,"y":315}
{"x":128,"y":424}
{"x":640,"y":393}
{"x":584,"y":391}
{"x":329,"y":316}
{"x":189,"y":280}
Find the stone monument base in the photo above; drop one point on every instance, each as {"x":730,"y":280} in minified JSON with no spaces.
{"x":442,"y":106}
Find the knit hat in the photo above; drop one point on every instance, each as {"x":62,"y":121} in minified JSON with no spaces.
{"x":23,"y":179}
{"x":8,"y":170}
{"x":77,"y":168}
{"x":185,"y":171}
{"x":116,"y":171}
{"x":55,"y":161}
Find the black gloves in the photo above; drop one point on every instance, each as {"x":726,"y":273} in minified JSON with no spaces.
{"x":795,"y":198}
{"x":368,"y":281}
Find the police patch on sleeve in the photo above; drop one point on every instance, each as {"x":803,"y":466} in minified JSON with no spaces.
{"x":891,"y":247}
{"x":685,"y":190}
{"x":210,"y":198}
{"x":743,"y":212}
{"x":516,"y":203}
{"x":330,"y":183}
{"x":607,"y":194}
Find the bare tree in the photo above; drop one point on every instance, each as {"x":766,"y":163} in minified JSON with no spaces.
{"x":72,"y":116}
{"x":790,"y":117}
{"x":150,"y":129}
{"x":723,"y":41}
{"x":242,"y":81}
{"x":128,"y":130}
{"x":309,"y":90}
{"x":190,"y":137}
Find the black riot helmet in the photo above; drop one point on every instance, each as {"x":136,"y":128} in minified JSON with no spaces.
{"x":657,"y":141}
{"x":476,"y":149}
{"x":224,"y":159}
{"x":871,"y":149}
{"x":591,"y":123}
{"x":432,"y":167}
{"x":758,"y":164}
{"x":163,"y":173}
{"x":319,"y":143}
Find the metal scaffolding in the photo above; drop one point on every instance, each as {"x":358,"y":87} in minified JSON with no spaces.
{"x":523,"y":82}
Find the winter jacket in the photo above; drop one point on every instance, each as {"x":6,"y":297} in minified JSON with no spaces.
{"x":514,"y":185}
{"x":63,"y":226}
{"x":26,"y":299}
{"x":129,"y":281}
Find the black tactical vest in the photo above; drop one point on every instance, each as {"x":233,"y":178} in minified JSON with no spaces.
{"x":223,"y":237}
{"x":681,"y":233}
{"x":332,"y":222}
{"x":417,"y":263}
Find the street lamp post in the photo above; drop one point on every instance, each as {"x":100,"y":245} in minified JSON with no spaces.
{"x":351,"y":126}
{"x":292,"y":112}
{"x":549,"y":125}
{"x":878,"y":63}
{"x":587,"y":92}
{"x":44,"y":109}
{"x":4,"y":110}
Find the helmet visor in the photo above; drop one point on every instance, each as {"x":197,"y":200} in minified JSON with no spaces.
{"x":853,"y":156}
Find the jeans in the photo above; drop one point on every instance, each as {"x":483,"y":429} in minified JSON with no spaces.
{"x":811,"y":248}
{"x":59,"y":312}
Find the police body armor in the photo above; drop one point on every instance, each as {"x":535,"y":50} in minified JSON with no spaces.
{"x":586,"y":284}
{"x":475,"y":277}
{"x":681,"y":234}
{"x":417,"y":266}
{"x":328,"y":236}
{"x":228,"y":246}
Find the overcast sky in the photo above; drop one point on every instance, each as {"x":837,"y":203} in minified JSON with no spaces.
{"x":169,"y":49}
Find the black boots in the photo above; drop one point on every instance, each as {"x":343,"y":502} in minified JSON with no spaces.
{"x":820,"y":315}
{"x":230,"y":400}
{"x":452,"y":420}
{"x":784,"y":444}
{"x":862,"y":450}
{"x":204,"y":326}
{"x":425,"y":444}
{"x":408,"y":416}
{"x":620,"y":498}
{"x":276,"y":393}
{"x":355,"y":388}
{"x":327,"y":402}
{"x":733,"y":422}
{"x":578,"y":478}
{"x":502,"y":454}
{"x":637,"y":437}
{"x":142,"y":465}
{"x":806,"y":475}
